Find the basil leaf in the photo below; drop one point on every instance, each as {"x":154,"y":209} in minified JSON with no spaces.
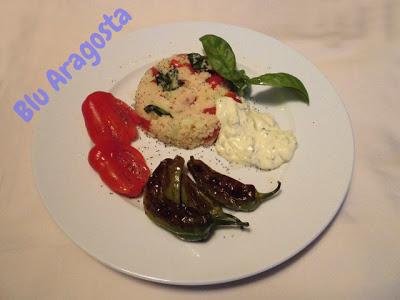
{"x":169,"y":81}
{"x":198,"y":62}
{"x":222,"y":59}
{"x":242,"y":82}
{"x":220,"y":55}
{"x":157,"y":110}
{"x":281,"y":80}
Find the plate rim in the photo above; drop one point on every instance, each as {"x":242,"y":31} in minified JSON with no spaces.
{"x":306,"y":244}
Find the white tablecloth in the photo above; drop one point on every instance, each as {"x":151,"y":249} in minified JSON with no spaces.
{"x":354,"y":43}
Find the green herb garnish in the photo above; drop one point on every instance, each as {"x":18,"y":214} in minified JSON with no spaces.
{"x":157,"y":110}
{"x":199,"y":62}
{"x":280,"y":80}
{"x":169,"y":81}
{"x":222,"y":59}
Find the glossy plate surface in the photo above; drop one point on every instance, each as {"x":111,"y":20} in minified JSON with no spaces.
{"x":118,"y":233}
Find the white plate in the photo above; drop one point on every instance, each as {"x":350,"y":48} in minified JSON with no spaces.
{"x":118,"y":233}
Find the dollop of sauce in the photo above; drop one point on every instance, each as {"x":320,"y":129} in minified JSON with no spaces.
{"x":252,"y":138}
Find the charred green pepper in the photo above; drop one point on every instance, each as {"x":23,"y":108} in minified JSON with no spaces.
{"x":225,"y":190}
{"x":185,"y":217}
{"x":163,"y":206}
{"x":192,"y":196}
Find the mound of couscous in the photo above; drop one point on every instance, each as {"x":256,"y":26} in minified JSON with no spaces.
{"x":178,"y":97}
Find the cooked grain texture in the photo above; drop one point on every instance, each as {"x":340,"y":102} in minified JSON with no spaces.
{"x":192,"y":123}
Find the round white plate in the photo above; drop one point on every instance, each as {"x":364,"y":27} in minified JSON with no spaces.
{"x":118,"y":233}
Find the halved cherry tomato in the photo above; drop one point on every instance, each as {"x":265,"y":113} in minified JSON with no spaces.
{"x":210,"y":110}
{"x":176,"y":64}
{"x":234,"y":96}
{"x":213,"y":136}
{"x":121,"y":167}
{"x":108,"y":118}
{"x":215,"y":80}
{"x":154,"y":71}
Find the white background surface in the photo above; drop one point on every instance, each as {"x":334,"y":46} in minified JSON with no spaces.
{"x":355,"y":44}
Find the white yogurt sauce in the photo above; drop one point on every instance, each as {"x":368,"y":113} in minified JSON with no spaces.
{"x":252,"y":138}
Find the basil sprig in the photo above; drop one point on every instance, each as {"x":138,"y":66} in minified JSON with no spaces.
{"x":222,"y":59}
{"x":157,"y":110}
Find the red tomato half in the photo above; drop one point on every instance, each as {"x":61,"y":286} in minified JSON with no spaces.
{"x":213,"y":136}
{"x":234,"y":96}
{"x":175,"y":63}
{"x":107,"y":117}
{"x":121,"y":167}
{"x":215,"y":80}
{"x":210,"y":110}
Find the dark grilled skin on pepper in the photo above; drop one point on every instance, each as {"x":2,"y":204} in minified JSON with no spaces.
{"x":225,"y":190}
{"x":163,"y":206}
{"x":192,"y":196}
{"x":185,"y":217}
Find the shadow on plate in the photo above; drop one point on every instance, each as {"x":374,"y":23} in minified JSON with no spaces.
{"x":278,"y":96}
{"x":251,"y":279}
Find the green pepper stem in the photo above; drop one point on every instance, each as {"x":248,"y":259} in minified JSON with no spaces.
{"x":263,"y":196}
{"x":227,"y":219}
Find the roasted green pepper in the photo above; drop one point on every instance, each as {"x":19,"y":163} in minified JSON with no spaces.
{"x":185,"y":217}
{"x":225,"y":190}
{"x":192,"y":196}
